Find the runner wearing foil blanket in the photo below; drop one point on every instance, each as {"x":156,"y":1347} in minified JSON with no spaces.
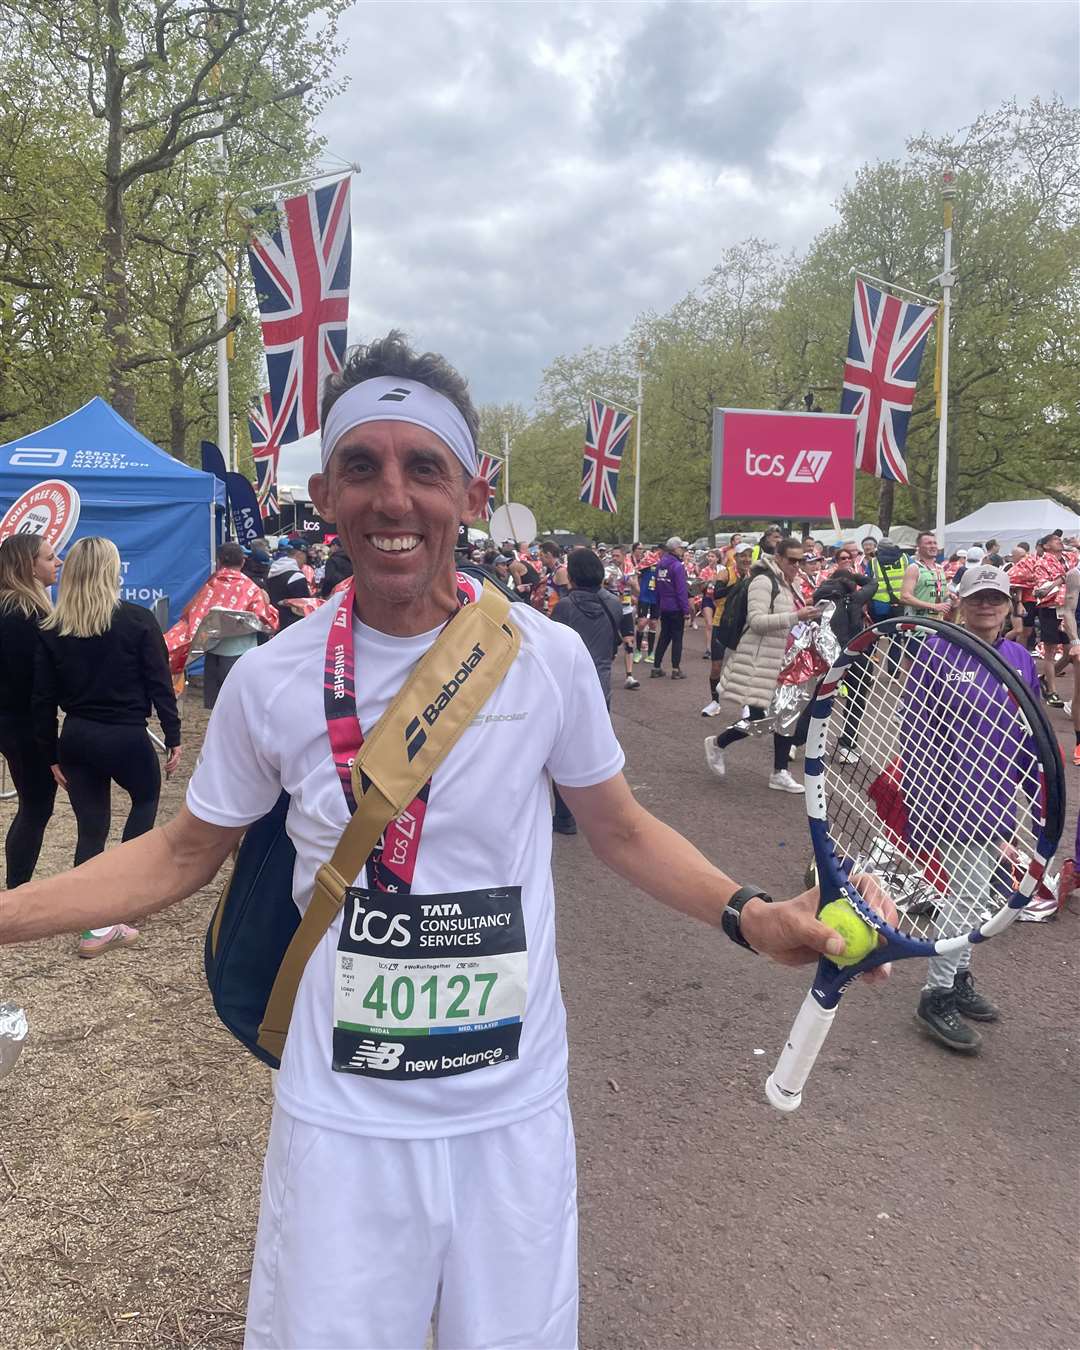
{"x":950,"y":702}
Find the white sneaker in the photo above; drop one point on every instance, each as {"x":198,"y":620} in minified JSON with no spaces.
{"x":711,"y":709}
{"x":845,"y":755}
{"x":1067,"y":710}
{"x":783,"y":782}
{"x":745,"y":714}
{"x":631,"y":683}
{"x":714,"y":757}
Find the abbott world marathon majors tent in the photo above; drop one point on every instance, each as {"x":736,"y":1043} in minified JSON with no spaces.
{"x":1010,"y":523}
{"x":92,"y":473}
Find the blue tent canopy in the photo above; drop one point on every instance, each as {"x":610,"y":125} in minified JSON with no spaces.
{"x":158,"y":511}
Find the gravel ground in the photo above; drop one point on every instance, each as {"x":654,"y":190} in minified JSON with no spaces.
{"x":934,"y":1200}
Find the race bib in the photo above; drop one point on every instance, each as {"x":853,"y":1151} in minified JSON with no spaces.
{"x":429,"y":985}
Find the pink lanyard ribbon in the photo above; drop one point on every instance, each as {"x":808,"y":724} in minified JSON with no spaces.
{"x":393,"y":860}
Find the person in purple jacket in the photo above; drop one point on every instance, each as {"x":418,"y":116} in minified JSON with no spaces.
{"x":951,"y":702}
{"x":673,"y":597}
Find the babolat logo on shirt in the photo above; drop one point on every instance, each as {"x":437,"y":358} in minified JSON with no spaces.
{"x":415,"y":735}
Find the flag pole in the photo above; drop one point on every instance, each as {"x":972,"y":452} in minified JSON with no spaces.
{"x":947,"y":280}
{"x":637,"y":445}
{"x":506,"y":468}
{"x":225,"y":442}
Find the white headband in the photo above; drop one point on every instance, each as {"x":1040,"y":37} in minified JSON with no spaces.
{"x":385,"y":398}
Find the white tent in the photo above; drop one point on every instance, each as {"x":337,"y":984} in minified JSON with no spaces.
{"x":1010,"y":523}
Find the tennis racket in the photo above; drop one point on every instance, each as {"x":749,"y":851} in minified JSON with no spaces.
{"x":932,"y":768}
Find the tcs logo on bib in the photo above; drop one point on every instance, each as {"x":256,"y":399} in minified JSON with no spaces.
{"x":376,"y":927}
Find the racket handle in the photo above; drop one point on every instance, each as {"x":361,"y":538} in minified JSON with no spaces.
{"x":785,"y":1084}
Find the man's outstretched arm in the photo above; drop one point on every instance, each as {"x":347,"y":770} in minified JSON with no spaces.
{"x":122,"y":884}
{"x":659,"y":861}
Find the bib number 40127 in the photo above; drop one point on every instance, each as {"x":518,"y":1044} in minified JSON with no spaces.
{"x":462,"y":996}
{"x":429,"y":985}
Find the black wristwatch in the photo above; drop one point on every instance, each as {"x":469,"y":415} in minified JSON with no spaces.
{"x":731,"y":919}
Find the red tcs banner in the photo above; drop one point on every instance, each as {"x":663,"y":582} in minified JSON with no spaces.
{"x":782,"y":465}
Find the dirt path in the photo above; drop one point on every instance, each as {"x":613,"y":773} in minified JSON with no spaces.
{"x":943,"y":1191}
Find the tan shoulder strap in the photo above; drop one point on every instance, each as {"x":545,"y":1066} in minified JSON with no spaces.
{"x":450,"y":684}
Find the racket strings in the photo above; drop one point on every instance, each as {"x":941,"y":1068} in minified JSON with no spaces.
{"x":943,"y":797}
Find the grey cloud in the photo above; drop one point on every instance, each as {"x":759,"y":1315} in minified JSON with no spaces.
{"x":536,"y":175}
{"x":702,"y":79}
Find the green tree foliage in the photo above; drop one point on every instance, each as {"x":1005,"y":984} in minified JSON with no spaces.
{"x":135,"y":131}
{"x":762,"y":330}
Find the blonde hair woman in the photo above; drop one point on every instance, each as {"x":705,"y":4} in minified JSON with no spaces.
{"x":28,"y":565}
{"x":104,"y":662}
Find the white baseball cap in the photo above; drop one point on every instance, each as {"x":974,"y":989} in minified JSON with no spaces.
{"x":676,"y":542}
{"x":983,"y":579}
{"x":974,"y":554}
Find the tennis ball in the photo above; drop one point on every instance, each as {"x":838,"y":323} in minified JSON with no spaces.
{"x":860,"y":938}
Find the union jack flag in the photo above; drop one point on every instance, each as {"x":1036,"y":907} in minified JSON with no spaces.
{"x":605,"y":440}
{"x":885,"y":349}
{"x":489,"y":467}
{"x":265,"y":448}
{"x":301,"y":275}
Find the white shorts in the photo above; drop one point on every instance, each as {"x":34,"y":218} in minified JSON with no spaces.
{"x":360,"y":1238}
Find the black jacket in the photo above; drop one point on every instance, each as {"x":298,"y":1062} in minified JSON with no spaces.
{"x":338,"y":567}
{"x":257,"y":567}
{"x":850,"y":600}
{"x":112,"y":678}
{"x":286,"y":583}
{"x":18,"y":643}
{"x":596,"y":617}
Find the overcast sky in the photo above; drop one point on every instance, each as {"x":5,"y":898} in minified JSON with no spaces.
{"x":535,"y":175}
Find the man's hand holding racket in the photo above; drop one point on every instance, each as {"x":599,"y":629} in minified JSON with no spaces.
{"x":791,"y":934}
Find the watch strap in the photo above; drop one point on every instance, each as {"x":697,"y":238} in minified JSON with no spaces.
{"x":731,"y":918}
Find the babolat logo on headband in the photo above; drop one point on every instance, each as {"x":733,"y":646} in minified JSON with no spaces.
{"x":388,"y":398}
{"x":415,"y":735}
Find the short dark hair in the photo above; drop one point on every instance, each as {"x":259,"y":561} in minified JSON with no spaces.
{"x":1023,"y":543}
{"x":230,"y":555}
{"x":548,"y":547}
{"x":922,"y":535}
{"x":393,"y":356}
{"x":786,"y":544}
{"x":585,"y":569}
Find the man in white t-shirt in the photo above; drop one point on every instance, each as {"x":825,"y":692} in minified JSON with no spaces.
{"x":408,"y":1167}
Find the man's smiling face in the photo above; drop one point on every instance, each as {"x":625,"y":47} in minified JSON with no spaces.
{"x":397,"y":496}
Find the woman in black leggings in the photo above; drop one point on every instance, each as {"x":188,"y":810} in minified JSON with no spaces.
{"x":28,"y":564}
{"x":104,"y":662}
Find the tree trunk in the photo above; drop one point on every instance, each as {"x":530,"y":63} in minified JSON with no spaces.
{"x":177,"y":419}
{"x":117,"y":316}
{"x":886,"y":500}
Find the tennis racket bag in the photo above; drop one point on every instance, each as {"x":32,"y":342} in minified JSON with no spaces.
{"x":258,"y":945}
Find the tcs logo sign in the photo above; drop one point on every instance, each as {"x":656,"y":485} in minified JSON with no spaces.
{"x":376,"y":927}
{"x":809,"y":466}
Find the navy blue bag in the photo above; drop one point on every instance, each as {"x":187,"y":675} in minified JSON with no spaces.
{"x":263,"y":913}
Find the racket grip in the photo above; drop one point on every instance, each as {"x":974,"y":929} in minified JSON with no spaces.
{"x":785,"y":1084}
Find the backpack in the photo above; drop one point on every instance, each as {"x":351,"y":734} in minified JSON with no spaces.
{"x":733,"y":621}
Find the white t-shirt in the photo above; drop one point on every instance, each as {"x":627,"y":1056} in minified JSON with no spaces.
{"x":488,"y":824}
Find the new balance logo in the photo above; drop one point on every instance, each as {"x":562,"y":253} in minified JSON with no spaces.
{"x":385,"y":1056}
{"x":397,"y":395}
{"x":809,"y":466}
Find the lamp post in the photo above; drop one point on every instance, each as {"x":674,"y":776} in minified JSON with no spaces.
{"x":947,"y":280}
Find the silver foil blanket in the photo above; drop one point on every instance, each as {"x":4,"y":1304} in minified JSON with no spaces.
{"x":12,"y":1035}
